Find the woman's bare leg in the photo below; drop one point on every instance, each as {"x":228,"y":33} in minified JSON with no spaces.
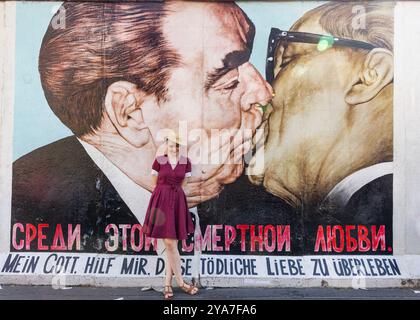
{"x":172,"y":255}
{"x":169,"y":272}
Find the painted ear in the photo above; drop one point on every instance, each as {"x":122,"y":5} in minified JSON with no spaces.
{"x":376,"y":73}
{"x":123,"y":102}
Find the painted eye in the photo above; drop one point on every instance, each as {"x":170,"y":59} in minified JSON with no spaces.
{"x":232,"y":85}
{"x":285,"y":62}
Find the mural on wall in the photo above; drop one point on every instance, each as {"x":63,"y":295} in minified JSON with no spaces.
{"x":328,"y":135}
{"x":303,"y":147}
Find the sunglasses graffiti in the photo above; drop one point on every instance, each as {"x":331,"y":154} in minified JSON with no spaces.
{"x":301,"y":164}
{"x":279,"y":38}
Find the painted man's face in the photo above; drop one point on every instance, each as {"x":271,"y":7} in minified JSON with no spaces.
{"x":307,"y":125}
{"x":216,"y":88}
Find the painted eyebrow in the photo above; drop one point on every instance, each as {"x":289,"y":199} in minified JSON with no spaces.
{"x":231,"y":61}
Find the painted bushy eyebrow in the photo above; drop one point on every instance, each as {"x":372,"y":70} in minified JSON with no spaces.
{"x":231,"y":61}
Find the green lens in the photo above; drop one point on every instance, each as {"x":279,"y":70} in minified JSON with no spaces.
{"x":325,"y":42}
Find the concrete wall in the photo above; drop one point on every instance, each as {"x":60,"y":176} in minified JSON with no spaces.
{"x":395,"y":268}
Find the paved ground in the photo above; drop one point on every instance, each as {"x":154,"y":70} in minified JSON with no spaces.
{"x":89,"y":293}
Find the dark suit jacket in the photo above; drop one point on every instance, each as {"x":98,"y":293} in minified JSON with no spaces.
{"x":244,"y":203}
{"x":60,"y":184}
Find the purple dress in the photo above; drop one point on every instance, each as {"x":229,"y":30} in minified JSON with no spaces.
{"x":167,"y":215}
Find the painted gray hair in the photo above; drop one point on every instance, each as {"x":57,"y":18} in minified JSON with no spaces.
{"x":341,"y":19}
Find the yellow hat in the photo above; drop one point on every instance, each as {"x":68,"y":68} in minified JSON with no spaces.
{"x":175,"y":138}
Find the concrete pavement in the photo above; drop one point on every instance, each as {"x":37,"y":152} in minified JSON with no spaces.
{"x":9,"y":292}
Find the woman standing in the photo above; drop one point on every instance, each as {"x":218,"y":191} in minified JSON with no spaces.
{"x":167,"y":215}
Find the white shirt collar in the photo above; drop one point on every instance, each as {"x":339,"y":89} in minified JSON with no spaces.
{"x":344,"y":190}
{"x":135,"y":197}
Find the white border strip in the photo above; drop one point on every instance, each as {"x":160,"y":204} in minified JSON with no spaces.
{"x":407,"y":129}
{"x":72,"y":273}
{"x":7,"y":93}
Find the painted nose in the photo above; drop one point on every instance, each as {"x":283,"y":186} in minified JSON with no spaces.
{"x":257,"y":91}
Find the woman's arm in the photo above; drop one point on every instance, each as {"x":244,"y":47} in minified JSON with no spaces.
{"x":154,"y":181}
{"x":184,"y":182}
{"x":155,"y":173}
{"x":187,"y":174}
